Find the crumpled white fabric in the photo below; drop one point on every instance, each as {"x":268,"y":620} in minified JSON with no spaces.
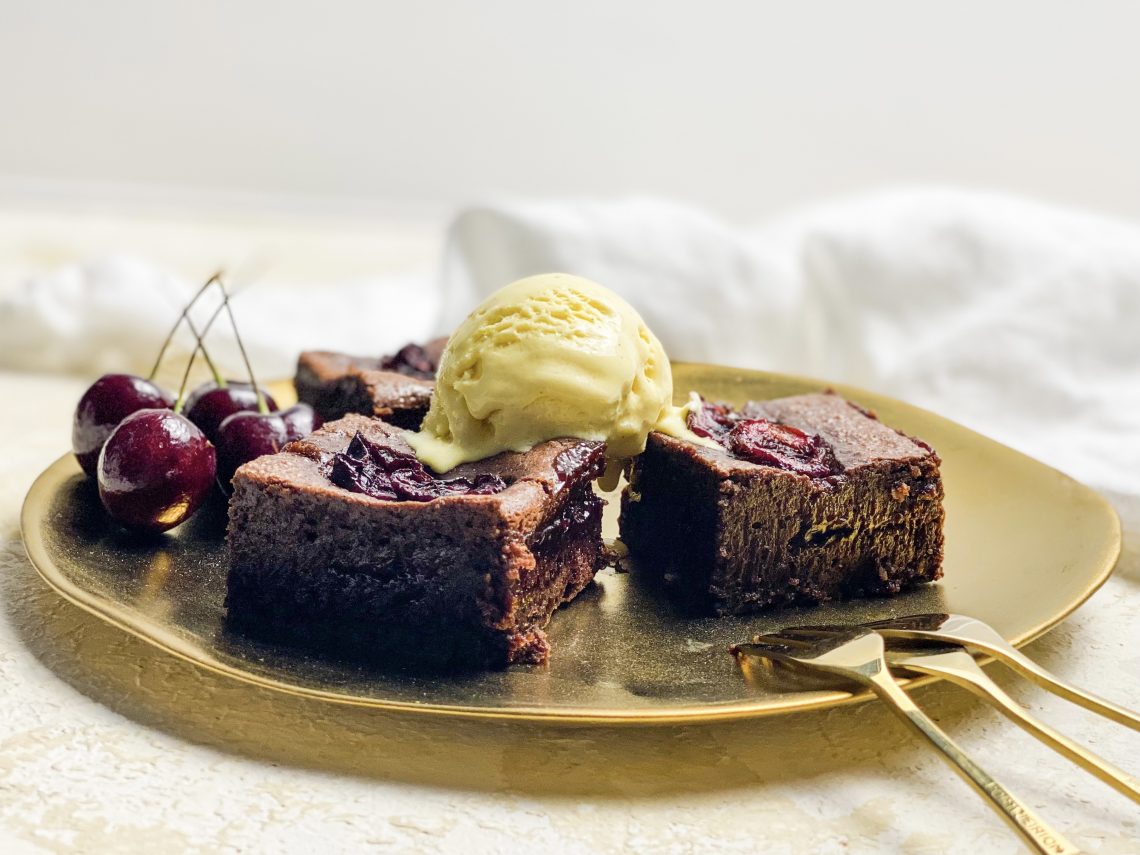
{"x":1018,"y":319}
{"x":112,"y":314}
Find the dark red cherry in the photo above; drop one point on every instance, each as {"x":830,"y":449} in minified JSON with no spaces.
{"x":410,"y":360}
{"x":748,"y":437}
{"x":302,"y":420}
{"x":245,"y":436}
{"x":210,"y":404}
{"x":108,"y":401}
{"x":155,"y":470}
{"x":782,"y":446}
{"x":383,"y":472}
{"x":712,"y":421}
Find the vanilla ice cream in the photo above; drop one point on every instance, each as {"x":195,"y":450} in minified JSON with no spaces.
{"x":545,"y":357}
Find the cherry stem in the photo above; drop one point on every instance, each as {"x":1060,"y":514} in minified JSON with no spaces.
{"x":262,"y":407}
{"x":185,"y":316}
{"x":199,"y":347}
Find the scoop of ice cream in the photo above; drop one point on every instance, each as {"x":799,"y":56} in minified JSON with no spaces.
{"x":545,"y":357}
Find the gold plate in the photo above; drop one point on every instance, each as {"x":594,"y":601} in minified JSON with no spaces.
{"x":1025,"y":545}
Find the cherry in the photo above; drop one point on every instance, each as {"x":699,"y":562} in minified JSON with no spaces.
{"x":762,"y":441}
{"x":782,"y":446}
{"x":712,"y":421}
{"x":155,"y":470}
{"x":245,"y":436}
{"x":584,"y":459}
{"x":210,"y":404}
{"x":108,"y":401}
{"x":383,"y":472}
{"x":410,"y":360}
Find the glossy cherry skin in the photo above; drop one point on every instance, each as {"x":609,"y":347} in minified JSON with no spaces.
{"x":210,"y":404}
{"x":245,"y":436}
{"x":108,"y":401}
{"x":155,"y":470}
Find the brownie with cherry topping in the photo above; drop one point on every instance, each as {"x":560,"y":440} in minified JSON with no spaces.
{"x":346,"y":544}
{"x":396,"y":388}
{"x":807,"y":499}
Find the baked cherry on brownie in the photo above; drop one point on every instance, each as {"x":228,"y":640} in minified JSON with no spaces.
{"x":155,"y":470}
{"x":762,"y":441}
{"x":382,"y":472}
{"x":411,"y":360}
{"x":108,"y":401}
{"x":247,"y":435}
{"x":211,"y":404}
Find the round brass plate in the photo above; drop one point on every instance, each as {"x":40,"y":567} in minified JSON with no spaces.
{"x":1025,"y":545}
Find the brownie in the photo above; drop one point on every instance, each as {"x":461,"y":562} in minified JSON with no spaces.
{"x":396,"y":388}
{"x":810,"y":498}
{"x":461,"y":581}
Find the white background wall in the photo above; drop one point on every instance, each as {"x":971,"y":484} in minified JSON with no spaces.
{"x":746,"y":108}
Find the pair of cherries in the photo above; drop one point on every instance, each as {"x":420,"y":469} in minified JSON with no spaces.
{"x":154,"y":466}
{"x":155,"y":458}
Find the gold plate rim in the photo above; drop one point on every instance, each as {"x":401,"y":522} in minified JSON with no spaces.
{"x":682,"y":714}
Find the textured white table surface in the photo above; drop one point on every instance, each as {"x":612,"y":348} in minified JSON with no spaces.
{"x":108,"y":745}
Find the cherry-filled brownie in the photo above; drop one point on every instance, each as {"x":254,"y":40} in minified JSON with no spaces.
{"x":345,"y":543}
{"x":808,"y":498}
{"x":396,"y":388}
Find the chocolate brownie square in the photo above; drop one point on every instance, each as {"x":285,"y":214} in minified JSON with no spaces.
{"x":810,"y":498}
{"x":345,"y":544}
{"x":395,"y":388}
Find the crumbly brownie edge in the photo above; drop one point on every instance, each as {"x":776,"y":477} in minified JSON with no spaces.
{"x":669,"y":519}
{"x":563,"y":563}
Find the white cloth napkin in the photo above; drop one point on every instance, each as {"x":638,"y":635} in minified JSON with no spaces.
{"x":1018,"y":319}
{"x":112,"y":314}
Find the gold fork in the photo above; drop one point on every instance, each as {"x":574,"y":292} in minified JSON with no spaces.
{"x":954,"y":663}
{"x":858,"y":655}
{"x":959,"y":667}
{"x":971,"y":632}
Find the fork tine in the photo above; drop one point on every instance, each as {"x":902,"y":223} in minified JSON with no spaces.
{"x":780,"y":639}
{"x":764,"y":646}
{"x":809,"y":632}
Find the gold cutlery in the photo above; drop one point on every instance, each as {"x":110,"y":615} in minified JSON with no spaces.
{"x":971,"y":632}
{"x":858,"y":654}
{"x":954,"y":663}
{"x":959,"y":667}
